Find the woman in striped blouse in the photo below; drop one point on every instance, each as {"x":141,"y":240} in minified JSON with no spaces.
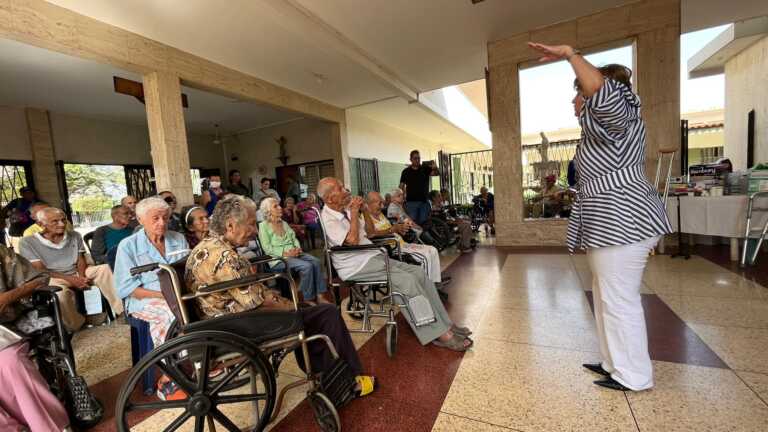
{"x":618,"y":216}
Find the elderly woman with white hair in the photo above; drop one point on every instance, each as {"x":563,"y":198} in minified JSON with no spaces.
{"x":279,"y":240}
{"x":153,"y":243}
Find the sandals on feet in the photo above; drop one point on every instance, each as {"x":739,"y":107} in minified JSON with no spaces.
{"x":463,"y":331}
{"x":456,"y":343}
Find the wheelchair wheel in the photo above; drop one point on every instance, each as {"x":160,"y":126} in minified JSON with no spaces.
{"x":206,"y":366}
{"x":325,"y":413}
{"x":391,"y":340}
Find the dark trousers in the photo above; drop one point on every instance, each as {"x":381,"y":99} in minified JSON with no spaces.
{"x":326,"y":319}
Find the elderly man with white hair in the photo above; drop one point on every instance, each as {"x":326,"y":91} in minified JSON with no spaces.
{"x":152,"y":243}
{"x":62,"y":254}
{"x":344,"y":226}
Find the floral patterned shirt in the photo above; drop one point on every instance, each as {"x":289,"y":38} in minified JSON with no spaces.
{"x":215,"y":260}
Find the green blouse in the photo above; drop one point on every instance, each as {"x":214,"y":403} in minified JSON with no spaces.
{"x":273,"y":244}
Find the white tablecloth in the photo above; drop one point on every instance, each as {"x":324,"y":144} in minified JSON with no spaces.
{"x":724,"y":216}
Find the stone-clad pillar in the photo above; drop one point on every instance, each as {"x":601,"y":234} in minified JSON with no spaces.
{"x":168,"y":135}
{"x":43,"y":156}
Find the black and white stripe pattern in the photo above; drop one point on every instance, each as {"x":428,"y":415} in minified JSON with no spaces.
{"x":615,"y":205}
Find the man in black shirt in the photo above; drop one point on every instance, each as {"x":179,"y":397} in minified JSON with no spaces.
{"x":414,"y":181}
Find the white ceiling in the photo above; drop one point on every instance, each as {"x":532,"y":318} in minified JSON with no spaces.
{"x":419,"y":121}
{"x":35,"y":77}
{"x":427,"y":44}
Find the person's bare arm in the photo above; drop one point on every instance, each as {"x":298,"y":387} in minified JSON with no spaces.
{"x":81,"y":265}
{"x":589,"y":76}
{"x":26,"y":289}
{"x":143,"y":293}
{"x":353,"y":236}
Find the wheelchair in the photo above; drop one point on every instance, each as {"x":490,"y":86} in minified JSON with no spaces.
{"x":227,"y":365}
{"x":479,"y":215}
{"x":51,"y":350}
{"x":364,"y":294}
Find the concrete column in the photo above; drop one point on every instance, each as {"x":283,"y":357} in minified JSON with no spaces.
{"x":168,"y":135}
{"x":339,"y":149}
{"x":43,"y":156}
{"x":657,"y":66}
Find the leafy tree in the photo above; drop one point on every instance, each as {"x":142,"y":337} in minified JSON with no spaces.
{"x":87,"y":204}
{"x":94,"y":181}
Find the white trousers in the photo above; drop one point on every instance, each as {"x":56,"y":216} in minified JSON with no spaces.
{"x":617,"y":275}
{"x":430,"y":253}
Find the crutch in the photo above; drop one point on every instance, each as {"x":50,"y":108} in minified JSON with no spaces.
{"x":663,"y":152}
{"x":751,"y":233}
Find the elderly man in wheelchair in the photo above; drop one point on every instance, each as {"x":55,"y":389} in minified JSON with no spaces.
{"x":31,"y":327}
{"x":231,"y":326}
{"x":355,"y":258}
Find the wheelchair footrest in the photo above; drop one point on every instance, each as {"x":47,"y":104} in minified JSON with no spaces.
{"x":338,"y":383}
{"x":84,"y":409}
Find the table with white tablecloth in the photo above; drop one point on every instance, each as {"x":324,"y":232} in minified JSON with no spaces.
{"x":723,"y":216}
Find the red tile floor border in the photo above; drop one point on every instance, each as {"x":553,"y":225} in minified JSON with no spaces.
{"x":669,"y":338}
{"x":413,"y":384}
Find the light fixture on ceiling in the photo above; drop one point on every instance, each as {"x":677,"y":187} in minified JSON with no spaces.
{"x":217,"y":136}
{"x":319,"y":78}
{"x":477,"y":1}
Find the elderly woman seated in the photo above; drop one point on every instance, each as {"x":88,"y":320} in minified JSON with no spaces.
{"x":344,"y":226}
{"x":194,"y":220}
{"x":279,"y":240}
{"x":25,"y":401}
{"x":215,"y":260}
{"x":377,"y":225}
{"x":153,"y":243}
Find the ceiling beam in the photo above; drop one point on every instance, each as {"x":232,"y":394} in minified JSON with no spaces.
{"x":295,"y":17}
{"x":45,"y":25}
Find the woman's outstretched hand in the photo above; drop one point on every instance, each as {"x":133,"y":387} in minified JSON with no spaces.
{"x":552,"y":52}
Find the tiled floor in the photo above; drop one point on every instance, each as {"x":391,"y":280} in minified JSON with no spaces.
{"x":530,"y":309}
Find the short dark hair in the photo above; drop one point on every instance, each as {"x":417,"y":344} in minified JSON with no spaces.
{"x":434,"y":194}
{"x":413,"y":152}
{"x":233,"y":172}
{"x":263,"y":179}
{"x":612,"y":71}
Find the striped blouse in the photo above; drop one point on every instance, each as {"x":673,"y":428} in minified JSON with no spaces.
{"x":615,"y":203}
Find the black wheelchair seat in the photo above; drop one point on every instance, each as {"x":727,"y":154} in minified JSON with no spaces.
{"x":256,"y":325}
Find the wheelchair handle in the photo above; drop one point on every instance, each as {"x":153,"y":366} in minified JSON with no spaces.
{"x":143,"y":269}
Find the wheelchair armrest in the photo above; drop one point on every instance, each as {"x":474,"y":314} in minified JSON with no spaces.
{"x":235,"y":283}
{"x":135,"y":271}
{"x":355,"y":248}
{"x":48,"y":289}
{"x":384,"y":238}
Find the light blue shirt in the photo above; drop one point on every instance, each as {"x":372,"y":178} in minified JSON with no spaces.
{"x":136,"y":250}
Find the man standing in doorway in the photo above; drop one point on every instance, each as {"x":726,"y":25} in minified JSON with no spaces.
{"x":414,"y":181}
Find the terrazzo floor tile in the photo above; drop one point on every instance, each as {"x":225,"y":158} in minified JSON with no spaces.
{"x":757,"y":382}
{"x":743,"y":349}
{"x":749,"y":313}
{"x":719,"y":285}
{"x":540,"y":277}
{"x":539,"y":299}
{"x":102,"y":352}
{"x":569,"y":330}
{"x":451,"y":423}
{"x":531,"y":388}
{"x":695,"y":264}
{"x":695,"y":398}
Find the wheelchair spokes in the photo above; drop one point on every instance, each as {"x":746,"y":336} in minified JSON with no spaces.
{"x":212,"y":377}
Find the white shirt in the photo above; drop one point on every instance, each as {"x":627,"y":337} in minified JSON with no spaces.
{"x":336,"y":227}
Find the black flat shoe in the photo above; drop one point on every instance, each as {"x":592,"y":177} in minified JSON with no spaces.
{"x":612,"y":384}
{"x":445,"y":279}
{"x":596,"y":368}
